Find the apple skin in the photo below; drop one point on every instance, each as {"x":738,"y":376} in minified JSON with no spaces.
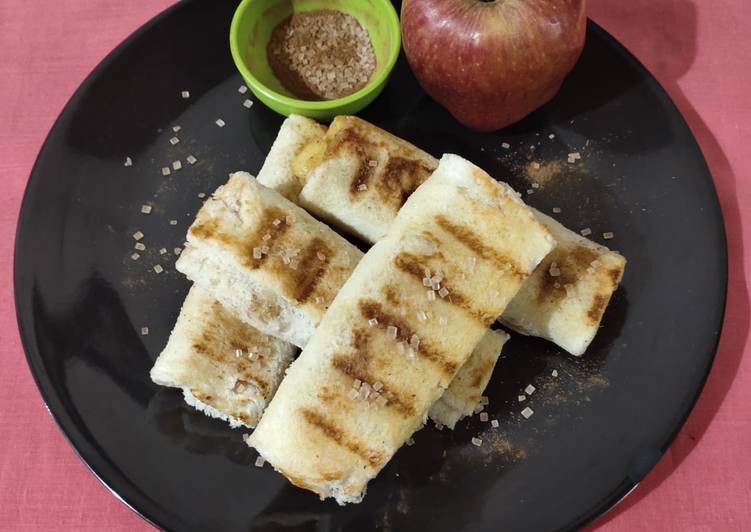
{"x":492,"y":63}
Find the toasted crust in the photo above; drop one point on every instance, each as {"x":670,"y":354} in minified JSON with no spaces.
{"x":465,"y":391}
{"x":378,"y":327}
{"x":265,"y":259}
{"x":566,"y":308}
{"x":364,"y":177}
{"x":201,"y":359}
{"x":295,"y":133}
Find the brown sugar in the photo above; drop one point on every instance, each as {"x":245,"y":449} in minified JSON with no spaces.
{"x":321,"y":55}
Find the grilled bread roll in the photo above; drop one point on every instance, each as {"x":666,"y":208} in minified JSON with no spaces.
{"x":385,"y":351}
{"x":224,"y":367}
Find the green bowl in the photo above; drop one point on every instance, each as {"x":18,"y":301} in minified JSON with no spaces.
{"x":253,"y":22}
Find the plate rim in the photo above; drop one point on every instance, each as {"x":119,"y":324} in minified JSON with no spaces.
{"x":130,"y":494}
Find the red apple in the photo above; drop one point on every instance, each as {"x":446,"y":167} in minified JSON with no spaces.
{"x":491,"y":63}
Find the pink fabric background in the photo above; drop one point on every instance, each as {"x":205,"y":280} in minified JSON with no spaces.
{"x":699,"y":50}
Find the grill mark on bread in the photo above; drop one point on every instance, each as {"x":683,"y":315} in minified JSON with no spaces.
{"x":336,"y":434}
{"x":410,"y":264}
{"x":371,"y":309}
{"x":596,"y":310}
{"x":326,"y":395}
{"x":266,"y":227}
{"x":353,"y":368}
{"x":220,"y":356}
{"x":357,"y":366}
{"x":209,"y":230}
{"x":426,"y":233}
{"x":572,"y":263}
{"x":362,"y":176}
{"x":218,"y":344}
{"x":303,"y":281}
{"x":479,"y":373}
{"x":350,"y":140}
{"x":400,"y":179}
{"x":360,"y":341}
{"x":615,"y":275}
{"x":300,"y":283}
{"x":347,"y":136}
{"x":401,"y":174}
{"x":469,"y":239}
{"x":392,"y":295}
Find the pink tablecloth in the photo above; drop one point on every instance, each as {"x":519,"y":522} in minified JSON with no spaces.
{"x":700,"y":52}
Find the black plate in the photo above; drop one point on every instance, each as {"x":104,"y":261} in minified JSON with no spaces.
{"x":598,"y":427}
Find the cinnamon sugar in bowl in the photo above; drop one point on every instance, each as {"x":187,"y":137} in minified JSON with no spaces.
{"x":317,"y":58}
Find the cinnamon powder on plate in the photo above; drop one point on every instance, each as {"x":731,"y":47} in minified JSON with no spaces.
{"x":321,"y":55}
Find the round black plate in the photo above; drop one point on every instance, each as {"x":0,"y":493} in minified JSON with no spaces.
{"x":598,"y":427}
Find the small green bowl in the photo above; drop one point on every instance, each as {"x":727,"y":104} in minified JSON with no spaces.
{"x":253,"y":22}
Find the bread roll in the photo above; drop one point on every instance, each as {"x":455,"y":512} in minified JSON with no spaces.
{"x":385,"y":351}
{"x":224,"y":367}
